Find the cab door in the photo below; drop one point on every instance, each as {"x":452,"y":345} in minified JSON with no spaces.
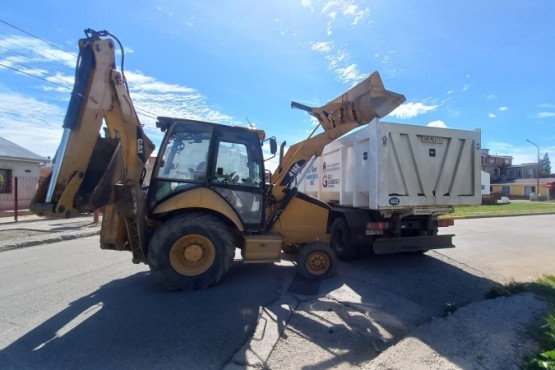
{"x":237,"y":173}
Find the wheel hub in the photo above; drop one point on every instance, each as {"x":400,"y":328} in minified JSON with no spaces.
{"x":317,"y":263}
{"x":192,"y":255}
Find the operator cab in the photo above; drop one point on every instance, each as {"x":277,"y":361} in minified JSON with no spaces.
{"x":223,"y":158}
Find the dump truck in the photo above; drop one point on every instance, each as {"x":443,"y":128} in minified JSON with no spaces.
{"x":388,"y":183}
{"x":208,"y":195}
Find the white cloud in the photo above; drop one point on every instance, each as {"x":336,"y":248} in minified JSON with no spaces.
{"x":438,"y":123}
{"x":348,"y":8}
{"x":350,"y":74}
{"x":409,"y":110}
{"x":502,"y":109}
{"x":546,"y":105}
{"x":32,"y":50}
{"x":491,"y":115}
{"x":27,"y":121}
{"x":322,"y":46}
{"x":546,"y":114}
{"x":30,"y":123}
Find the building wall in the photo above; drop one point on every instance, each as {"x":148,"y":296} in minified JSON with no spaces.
{"x":521,"y":190}
{"x":21,"y":168}
{"x":27,"y":174}
{"x":485,"y":183}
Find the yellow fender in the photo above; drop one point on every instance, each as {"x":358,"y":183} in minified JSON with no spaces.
{"x":200,"y":198}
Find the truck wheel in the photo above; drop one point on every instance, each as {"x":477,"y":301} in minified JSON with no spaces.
{"x":190,"y":251}
{"x":340,"y":240}
{"x":316,"y":261}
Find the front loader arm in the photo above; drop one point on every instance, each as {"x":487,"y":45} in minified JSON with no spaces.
{"x":92,"y":171}
{"x":356,"y":107}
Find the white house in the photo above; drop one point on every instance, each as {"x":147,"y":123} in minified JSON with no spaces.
{"x":18,"y":166}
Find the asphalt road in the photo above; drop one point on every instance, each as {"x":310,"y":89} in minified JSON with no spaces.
{"x":520,"y":248}
{"x":71,"y":305}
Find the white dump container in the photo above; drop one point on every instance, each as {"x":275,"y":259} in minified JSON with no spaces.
{"x":390,"y":166}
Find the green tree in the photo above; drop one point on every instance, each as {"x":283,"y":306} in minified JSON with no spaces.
{"x":545,"y":166}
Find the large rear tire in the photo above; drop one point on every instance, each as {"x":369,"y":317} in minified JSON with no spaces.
{"x":191,"y":251}
{"x":316,"y":261}
{"x":340,"y":240}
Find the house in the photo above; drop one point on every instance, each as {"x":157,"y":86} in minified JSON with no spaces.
{"x":496,"y":165}
{"x":522,"y":171}
{"x":522,"y":188}
{"x":19,"y":175}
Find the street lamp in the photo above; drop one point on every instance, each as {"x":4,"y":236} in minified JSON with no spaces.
{"x":538,"y":174}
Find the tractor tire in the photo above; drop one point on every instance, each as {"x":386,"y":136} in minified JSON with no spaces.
{"x":191,"y":251}
{"x":340,"y":240}
{"x":316,"y":261}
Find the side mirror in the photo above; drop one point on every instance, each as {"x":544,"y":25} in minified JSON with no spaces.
{"x":273,"y":145}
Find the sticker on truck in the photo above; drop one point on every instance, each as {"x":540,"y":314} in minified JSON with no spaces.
{"x":394,"y":201}
{"x":331,"y":173}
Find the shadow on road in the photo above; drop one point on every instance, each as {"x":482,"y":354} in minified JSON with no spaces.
{"x":369,"y":306}
{"x":133,"y":323}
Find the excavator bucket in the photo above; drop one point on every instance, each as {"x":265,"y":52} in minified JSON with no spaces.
{"x":361,"y":104}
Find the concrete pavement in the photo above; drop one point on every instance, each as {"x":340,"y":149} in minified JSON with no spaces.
{"x":40,"y":230}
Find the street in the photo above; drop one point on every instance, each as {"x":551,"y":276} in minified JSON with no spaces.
{"x":72,"y":305}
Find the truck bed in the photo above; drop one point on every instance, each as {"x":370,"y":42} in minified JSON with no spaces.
{"x":392,"y":166}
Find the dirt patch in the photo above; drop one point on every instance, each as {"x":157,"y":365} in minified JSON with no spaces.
{"x":19,"y":233}
{"x":493,"y":334}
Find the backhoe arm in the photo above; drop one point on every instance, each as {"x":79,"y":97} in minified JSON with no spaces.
{"x":358,"y":106}
{"x":92,"y":171}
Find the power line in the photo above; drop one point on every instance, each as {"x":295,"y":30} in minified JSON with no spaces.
{"x":35,"y":76}
{"x":31,"y":49}
{"x":36,"y":37}
{"x":144,"y":112}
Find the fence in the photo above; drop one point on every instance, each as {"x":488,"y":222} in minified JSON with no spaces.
{"x":14,"y":204}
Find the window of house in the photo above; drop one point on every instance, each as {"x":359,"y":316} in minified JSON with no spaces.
{"x":531,"y":172}
{"x":507,"y":161}
{"x":5,"y":181}
{"x":491,"y":160}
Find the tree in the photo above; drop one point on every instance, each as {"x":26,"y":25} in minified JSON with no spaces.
{"x":545,"y":166}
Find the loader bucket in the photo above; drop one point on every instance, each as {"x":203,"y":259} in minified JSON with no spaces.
{"x":361,"y":104}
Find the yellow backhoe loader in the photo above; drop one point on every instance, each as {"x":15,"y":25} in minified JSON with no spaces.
{"x":209,"y":192}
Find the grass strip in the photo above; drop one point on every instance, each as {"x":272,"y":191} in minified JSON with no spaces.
{"x":545,"y":288}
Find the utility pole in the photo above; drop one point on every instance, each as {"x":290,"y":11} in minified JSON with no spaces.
{"x":538,"y":174}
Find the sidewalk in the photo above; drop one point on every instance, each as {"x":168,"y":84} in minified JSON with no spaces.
{"x":40,"y":230}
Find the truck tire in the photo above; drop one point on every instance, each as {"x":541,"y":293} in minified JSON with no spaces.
{"x":316,"y":261}
{"x":340,"y":240}
{"x":190,"y":251}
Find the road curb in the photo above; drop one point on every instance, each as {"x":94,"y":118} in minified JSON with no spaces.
{"x":470,"y":217}
{"x":42,"y":239}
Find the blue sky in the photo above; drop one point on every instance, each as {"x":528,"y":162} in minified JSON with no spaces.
{"x":460,"y":64}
